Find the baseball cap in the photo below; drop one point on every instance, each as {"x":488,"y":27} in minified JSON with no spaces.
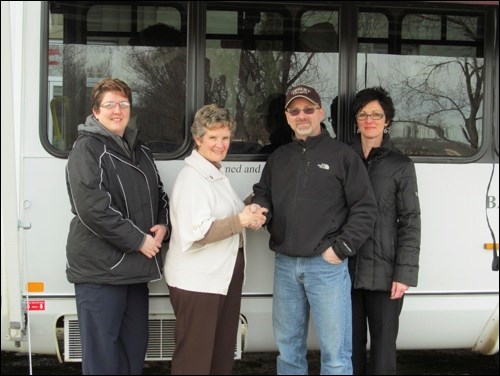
{"x":302,"y":91}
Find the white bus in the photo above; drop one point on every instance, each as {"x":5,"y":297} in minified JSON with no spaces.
{"x":439,"y":61}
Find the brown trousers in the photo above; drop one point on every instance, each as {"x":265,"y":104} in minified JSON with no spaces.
{"x":206,"y":327}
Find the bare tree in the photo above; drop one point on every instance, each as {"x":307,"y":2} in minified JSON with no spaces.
{"x":426,"y":91}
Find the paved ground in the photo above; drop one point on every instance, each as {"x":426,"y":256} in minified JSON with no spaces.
{"x":442,"y":362}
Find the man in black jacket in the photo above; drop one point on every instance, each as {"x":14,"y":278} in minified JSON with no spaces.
{"x":321,"y":210}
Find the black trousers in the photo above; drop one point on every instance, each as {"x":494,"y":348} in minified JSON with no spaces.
{"x":113,"y":322}
{"x":377,"y":312}
{"x":206,"y":327}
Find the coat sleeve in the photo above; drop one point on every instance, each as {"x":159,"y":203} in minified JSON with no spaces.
{"x":362,"y":209}
{"x":408,"y":230}
{"x":262,"y":190}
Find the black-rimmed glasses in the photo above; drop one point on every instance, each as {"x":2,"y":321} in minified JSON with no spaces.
{"x":374,"y":116}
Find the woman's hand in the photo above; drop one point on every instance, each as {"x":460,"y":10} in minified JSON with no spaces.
{"x":398,"y":290}
{"x":253,"y":216}
{"x":150,"y":247}
{"x":159,"y":231}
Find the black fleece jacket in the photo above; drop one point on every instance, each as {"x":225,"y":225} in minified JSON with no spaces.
{"x":318,"y":195}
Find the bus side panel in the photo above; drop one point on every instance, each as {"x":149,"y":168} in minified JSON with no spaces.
{"x":454,"y":229}
{"x":13,"y":324}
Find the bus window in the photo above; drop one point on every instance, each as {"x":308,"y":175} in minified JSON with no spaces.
{"x":144,"y":45}
{"x":432,"y":64}
{"x":258,"y":53}
{"x":253,"y":55}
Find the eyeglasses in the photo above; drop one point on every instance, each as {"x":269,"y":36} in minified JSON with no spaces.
{"x":374,"y":116}
{"x":307,"y":111}
{"x":112,"y":105}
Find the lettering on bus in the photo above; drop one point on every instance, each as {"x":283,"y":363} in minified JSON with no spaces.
{"x":246,"y":170}
{"x":491,"y":202}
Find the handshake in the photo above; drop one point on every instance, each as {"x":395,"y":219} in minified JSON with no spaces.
{"x":253,"y":216}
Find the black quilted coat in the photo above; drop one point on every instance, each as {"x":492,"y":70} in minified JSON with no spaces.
{"x":392,"y":253}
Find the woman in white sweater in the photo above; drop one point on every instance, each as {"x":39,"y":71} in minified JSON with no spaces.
{"x":204,"y":267}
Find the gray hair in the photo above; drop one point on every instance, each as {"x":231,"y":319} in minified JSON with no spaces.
{"x":210,"y":117}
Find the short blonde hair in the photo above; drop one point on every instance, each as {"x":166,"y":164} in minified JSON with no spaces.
{"x":209,"y":117}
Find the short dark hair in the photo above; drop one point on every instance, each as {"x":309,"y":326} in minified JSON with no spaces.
{"x":379,"y":94}
{"x":109,"y":84}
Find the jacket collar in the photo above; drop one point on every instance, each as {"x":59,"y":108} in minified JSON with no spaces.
{"x":312,"y":141}
{"x":206,"y":168}
{"x":375,"y":153}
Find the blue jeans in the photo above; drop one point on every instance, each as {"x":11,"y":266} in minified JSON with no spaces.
{"x":310,"y":283}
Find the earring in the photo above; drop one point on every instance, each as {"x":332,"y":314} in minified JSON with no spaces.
{"x":357,"y":131}
{"x":386,"y":130}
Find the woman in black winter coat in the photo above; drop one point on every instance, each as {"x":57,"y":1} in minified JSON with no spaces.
{"x":387,"y":264}
{"x":120,"y":222}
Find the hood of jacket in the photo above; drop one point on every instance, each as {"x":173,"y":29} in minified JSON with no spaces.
{"x":93,"y":126}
